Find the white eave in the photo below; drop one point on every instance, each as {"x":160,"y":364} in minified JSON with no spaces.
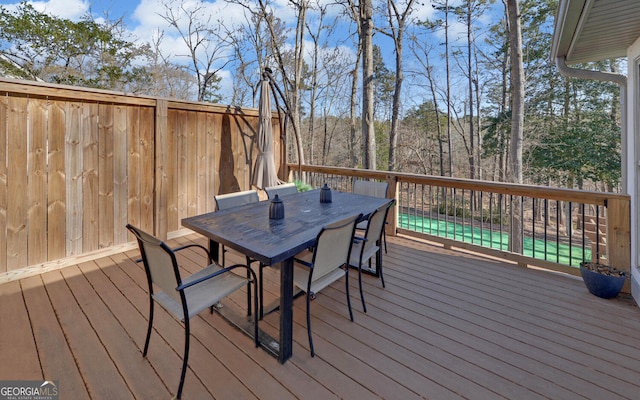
{"x":594,"y":30}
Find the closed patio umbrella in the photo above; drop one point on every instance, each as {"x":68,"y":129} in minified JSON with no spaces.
{"x":264,"y":172}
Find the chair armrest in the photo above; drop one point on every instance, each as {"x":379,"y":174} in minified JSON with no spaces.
{"x":139,"y":260}
{"x":213,"y":275}
{"x":186,"y":246}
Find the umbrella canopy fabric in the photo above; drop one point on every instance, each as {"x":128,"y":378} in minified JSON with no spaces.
{"x":264,"y":172}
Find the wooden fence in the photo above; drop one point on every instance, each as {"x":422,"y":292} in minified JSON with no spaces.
{"x":77,"y":164}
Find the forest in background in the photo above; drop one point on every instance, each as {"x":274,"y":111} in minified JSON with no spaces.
{"x":441,"y":80}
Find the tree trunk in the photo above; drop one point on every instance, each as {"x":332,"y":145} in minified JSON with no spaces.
{"x":472,"y":134}
{"x":432,"y":87}
{"x":352,"y":108}
{"x":517,"y":115}
{"x":395,"y":108}
{"x":368,"y":127}
{"x":397,"y":22}
{"x":448,"y":73}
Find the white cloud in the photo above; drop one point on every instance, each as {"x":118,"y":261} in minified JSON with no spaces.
{"x":147,"y":15}
{"x":148,"y":21}
{"x":423,"y":11}
{"x":70,"y":9}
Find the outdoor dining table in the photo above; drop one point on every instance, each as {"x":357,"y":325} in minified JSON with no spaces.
{"x":249,"y":230}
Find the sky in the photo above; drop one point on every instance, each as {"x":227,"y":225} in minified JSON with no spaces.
{"x":142,"y":18}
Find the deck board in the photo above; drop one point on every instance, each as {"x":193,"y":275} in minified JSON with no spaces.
{"x":206,"y":368}
{"x":17,"y":342}
{"x":53,"y":351}
{"x":92,"y":359}
{"x":119,"y":343}
{"x":448,"y":325}
{"x":162,"y":357}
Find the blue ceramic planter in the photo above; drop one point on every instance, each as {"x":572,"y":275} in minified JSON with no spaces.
{"x":601,"y":285}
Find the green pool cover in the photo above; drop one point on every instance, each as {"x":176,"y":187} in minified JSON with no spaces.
{"x":550,"y":251}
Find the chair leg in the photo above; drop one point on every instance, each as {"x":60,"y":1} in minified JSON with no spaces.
{"x":313,"y":354}
{"x":384,"y":239}
{"x":185,"y":358}
{"x":379,"y":266}
{"x":346,"y":279}
{"x":364,"y":307}
{"x":256,"y":339}
{"x":146,"y":342}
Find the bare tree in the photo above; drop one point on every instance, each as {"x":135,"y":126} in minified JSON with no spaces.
{"x":517,"y":112}
{"x":517,"y":91}
{"x":445,"y":8}
{"x":314,"y":85}
{"x":368,"y":127}
{"x":295,"y":84}
{"x":496,"y":63}
{"x":353,"y":11}
{"x":470,"y":41}
{"x":422,"y":51}
{"x":209,"y":49}
{"x":397,"y":20}
{"x":249,"y":46}
{"x":270,"y":42}
{"x":169,"y":79}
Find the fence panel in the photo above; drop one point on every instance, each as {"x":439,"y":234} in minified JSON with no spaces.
{"x":77,"y":165}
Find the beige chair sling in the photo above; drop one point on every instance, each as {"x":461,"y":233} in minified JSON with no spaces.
{"x":367,"y":246}
{"x":314,"y":271}
{"x":187,"y":297}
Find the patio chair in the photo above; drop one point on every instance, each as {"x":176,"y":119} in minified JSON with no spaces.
{"x":376,"y":189}
{"x":281,"y":190}
{"x":225,"y":201}
{"x":364,"y":248}
{"x":230,"y":200}
{"x":313,"y":271}
{"x":185,"y":298}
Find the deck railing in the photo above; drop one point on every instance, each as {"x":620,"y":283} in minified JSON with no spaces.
{"x":546,"y":227}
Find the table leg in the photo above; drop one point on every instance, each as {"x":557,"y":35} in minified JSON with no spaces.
{"x":214,"y":250}
{"x":286,"y":310}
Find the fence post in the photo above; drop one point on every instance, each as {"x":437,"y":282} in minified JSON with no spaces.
{"x":619,"y":236}
{"x":161,"y":179}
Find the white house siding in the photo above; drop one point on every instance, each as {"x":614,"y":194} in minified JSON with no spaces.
{"x":631,"y":151}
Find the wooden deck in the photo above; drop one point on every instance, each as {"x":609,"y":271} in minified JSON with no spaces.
{"x":449,"y":325}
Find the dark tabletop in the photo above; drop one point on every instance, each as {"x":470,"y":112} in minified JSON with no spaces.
{"x":249,"y":230}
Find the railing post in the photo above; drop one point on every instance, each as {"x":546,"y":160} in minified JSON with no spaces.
{"x":392,"y":193}
{"x":619,"y":236}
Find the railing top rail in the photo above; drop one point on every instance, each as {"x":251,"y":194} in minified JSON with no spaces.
{"x":582,"y":196}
